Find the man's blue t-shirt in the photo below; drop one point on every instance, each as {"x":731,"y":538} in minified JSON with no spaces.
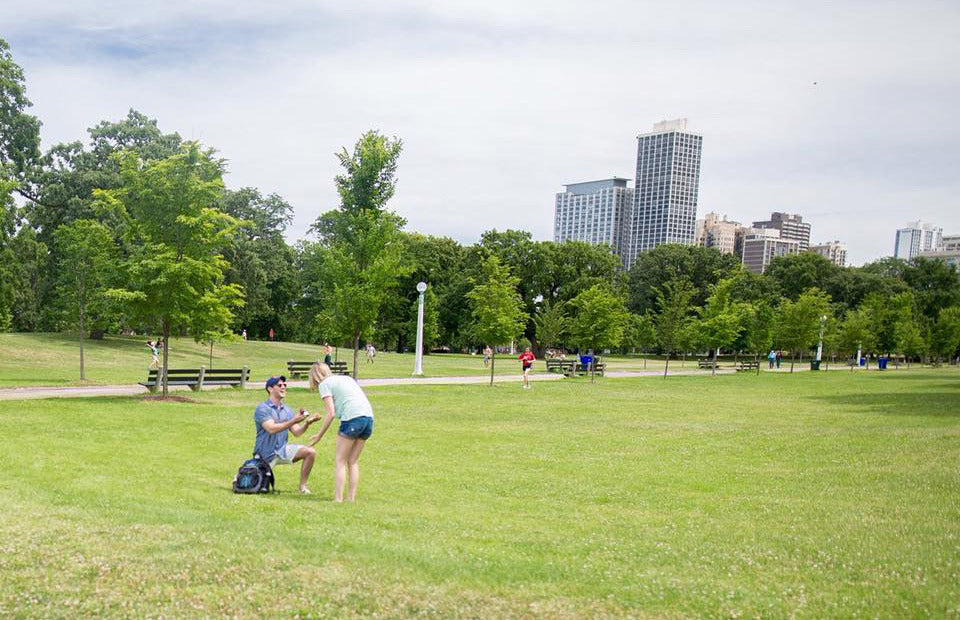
{"x":268,"y":445}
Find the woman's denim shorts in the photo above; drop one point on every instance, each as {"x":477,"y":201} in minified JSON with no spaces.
{"x":357,"y":428}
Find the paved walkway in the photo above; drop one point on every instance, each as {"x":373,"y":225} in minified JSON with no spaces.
{"x":31,"y":393}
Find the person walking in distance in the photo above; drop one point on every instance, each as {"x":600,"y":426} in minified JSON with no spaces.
{"x":526,"y":361}
{"x":344,"y":399}
{"x":487,"y":352}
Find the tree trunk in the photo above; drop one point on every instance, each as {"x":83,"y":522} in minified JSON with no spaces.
{"x":756,"y":358}
{"x":356,"y":354}
{"x":666,"y":363}
{"x":493,"y":362}
{"x":166,"y":355}
{"x":792,"y":360}
{"x":713,"y":372}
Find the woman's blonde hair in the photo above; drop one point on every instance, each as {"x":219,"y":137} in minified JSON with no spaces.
{"x":318,"y":372}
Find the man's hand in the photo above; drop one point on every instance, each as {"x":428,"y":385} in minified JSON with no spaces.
{"x":297,"y":419}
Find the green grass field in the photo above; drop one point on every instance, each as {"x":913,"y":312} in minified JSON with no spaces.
{"x":830,"y":495}
{"x":34,"y":360}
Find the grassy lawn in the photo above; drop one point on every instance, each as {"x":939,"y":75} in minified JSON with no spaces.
{"x":829,"y":495}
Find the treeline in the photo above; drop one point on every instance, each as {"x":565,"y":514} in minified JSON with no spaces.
{"x":134,"y":229}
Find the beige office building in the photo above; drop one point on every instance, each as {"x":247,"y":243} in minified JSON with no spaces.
{"x":834,"y":251}
{"x":760,"y":246}
{"x":791,"y":226}
{"x":721,"y":234}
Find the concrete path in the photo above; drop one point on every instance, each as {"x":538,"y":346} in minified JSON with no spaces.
{"x":32,"y":393}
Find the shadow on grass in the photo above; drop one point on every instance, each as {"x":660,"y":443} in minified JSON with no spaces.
{"x":939,"y":404}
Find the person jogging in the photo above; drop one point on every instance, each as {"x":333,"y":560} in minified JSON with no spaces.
{"x":526,"y":360}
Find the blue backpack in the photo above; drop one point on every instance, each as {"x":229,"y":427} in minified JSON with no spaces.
{"x":254,"y":476}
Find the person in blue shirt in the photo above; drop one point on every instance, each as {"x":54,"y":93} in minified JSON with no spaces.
{"x":274,"y":420}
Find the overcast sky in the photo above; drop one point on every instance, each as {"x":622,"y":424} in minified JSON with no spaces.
{"x":842,"y":111}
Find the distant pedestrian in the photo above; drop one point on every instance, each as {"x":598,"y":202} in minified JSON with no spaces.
{"x":526,"y":360}
{"x":154,"y":354}
{"x":327,"y":354}
{"x":487,"y":352}
{"x":772,"y":358}
{"x":244,"y":335}
{"x":371,"y":353}
{"x":779,"y":358}
{"x":271,"y":334}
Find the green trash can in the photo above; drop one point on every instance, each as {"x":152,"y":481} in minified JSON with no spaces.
{"x":814,"y":364}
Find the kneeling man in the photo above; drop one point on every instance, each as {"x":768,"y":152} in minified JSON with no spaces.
{"x":273,"y":419}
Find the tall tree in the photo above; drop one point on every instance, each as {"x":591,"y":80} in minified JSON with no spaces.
{"x":855,"y":334}
{"x":720,"y":319}
{"x":175,"y":275}
{"x":800,"y":320}
{"x":495,"y":307}
{"x":599,"y":319}
{"x":701,"y":267}
{"x":796,"y":273}
{"x":551,"y":324}
{"x":945,"y":335}
{"x":19,"y":131}
{"x":87,"y":260}
{"x":362,"y":248}
{"x":673,"y":320}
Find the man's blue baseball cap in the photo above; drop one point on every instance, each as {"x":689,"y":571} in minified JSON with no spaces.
{"x":272,"y":381}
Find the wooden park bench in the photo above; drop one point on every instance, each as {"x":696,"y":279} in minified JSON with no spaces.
{"x":564,"y":366}
{"x":746,"y":365}
{"x":302,"y":369}
{"x":598,"y":368}
{"x":705,"y":363}
{"x":196,"y":378}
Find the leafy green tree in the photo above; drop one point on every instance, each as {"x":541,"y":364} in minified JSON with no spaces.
{"x":909,"y":337}
{"x":758,"y":328}
{"x":495,"y":307}
{"x":884,"y":313}
{"x":87,"y":260}
{"x":7,"y":257}
{"x":175,"y":275}
{"x":720,"y":320}
{"x":551,"y":324}
{"x":673,"y":320}
{"x":800,"y":320}
{"x":19,"y":131}
{"x":945,"y":335}
{"x":701,"y":267}
{"x":599,"y":319}
{"x":30,"y":281}
{"x":935,"y":284}
{"x":363,"y":252}
{"x":797,"y":273}
{"x":640,"y":334}
{"x":855,"y":334}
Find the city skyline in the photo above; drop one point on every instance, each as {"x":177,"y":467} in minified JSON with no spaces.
{"x":839,"y":113}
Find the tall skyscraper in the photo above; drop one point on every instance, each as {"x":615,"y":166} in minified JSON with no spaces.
{"x":917,"y":237}
{"x":791,"y":226}
{"x":666,"y":188}
{"x":595,"y":212}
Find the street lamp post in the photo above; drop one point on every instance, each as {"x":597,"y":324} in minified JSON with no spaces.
{"x":823,"y":321}
{"x":418,"y":357}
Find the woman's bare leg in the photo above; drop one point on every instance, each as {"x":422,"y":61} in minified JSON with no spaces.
{"x":344,"y":446}
{"x":354,"y":465}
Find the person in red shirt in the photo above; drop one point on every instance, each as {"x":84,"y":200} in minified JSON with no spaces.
{"x":526,"y":359}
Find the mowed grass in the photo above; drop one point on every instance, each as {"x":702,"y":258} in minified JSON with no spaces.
{"x":31,"y":360}
{"x":830,"y":495}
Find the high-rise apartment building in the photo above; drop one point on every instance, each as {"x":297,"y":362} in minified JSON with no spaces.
{"x":791,"y":226}
{"x":917,"y":237}
{"x":597,"y":212}
{"x":721,"y":234}
{"x":834,"y":251}
{"x":666,"y":188}
{"x":762,"y":245}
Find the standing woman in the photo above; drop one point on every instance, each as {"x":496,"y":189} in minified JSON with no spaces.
{"x":344,"y":399}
